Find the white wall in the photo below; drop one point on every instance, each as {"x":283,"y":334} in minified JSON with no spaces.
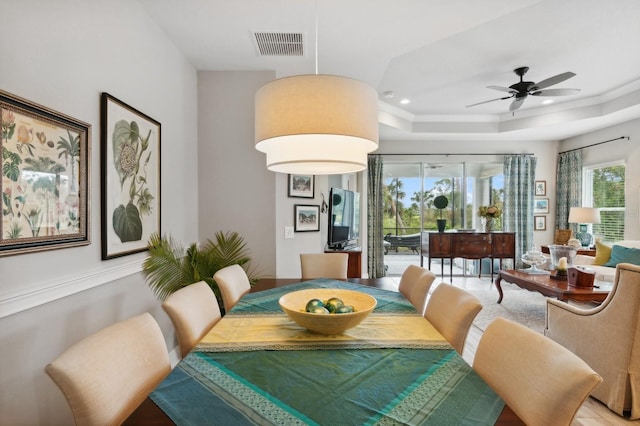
{"x":624,"y":149}
{"x":62,"y":55}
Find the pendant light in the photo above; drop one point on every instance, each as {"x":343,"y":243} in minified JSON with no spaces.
{"x":316,"y":124}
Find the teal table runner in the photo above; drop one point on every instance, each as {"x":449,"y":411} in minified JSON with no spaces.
{"x":384,"y":386}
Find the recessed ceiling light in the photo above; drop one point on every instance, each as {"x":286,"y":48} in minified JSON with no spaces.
{"x":405,"y":101}
{"x":547,"y":101}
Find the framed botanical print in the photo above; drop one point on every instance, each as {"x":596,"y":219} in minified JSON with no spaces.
{"x":45,"y":171}
{"x":306,"y":218}
{"x":130,"y":154}
{"x":301,"y":186}
{"x":541,"y":188}
{"x":539,"y":223}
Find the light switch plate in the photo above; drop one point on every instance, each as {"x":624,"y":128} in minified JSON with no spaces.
{"x":288,"y":232}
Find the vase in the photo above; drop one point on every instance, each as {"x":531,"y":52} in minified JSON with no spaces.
{"x":442,"y":224}
{"x":488,"y":225}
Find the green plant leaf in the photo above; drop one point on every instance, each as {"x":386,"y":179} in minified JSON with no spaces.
{"x":126,"y":223}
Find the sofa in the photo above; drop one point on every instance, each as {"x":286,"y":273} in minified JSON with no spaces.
{"x":608,"y":256}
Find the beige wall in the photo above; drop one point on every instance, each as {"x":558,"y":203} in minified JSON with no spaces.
{"x":62,"y":55}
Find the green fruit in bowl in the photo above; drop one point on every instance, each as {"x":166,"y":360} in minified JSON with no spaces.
{"x":346,"y":309}
{"x":314,"y":303}
{"x":333,"y":304}
{"x":319,"y":310}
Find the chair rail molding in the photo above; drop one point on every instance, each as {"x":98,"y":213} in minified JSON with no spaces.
{"x":19,"y":301}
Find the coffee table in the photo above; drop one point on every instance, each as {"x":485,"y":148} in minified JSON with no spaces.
{"x":551,"y":287}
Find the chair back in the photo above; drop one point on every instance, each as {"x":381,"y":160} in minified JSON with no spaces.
{"x":324,"y":265}
{"x":105,"y":376}
{"x":415,"y":284}
{"x":541,"y":381}
{"x":193,"y":311}
{"x":233,"y":283}
{"x":451,"y":310}
{"x":562,"y":236}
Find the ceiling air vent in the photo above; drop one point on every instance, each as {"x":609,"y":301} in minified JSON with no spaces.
{"x":279,"y":44}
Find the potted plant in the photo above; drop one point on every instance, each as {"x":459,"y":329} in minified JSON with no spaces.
{"x":169,"y":268}
{"x":441,"y":202}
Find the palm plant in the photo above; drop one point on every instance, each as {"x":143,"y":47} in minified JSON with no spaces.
{"x":169,"y":268}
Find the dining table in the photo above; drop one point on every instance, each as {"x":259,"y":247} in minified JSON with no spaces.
{"x":258,"y":367}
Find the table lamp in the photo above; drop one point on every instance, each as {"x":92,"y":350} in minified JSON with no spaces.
{"x":584,"y":216}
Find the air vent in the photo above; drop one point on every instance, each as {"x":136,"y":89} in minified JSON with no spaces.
{"x":279,"y":44}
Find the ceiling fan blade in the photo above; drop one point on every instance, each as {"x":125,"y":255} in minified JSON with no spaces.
{"x":552,"y":80}
{"x":517,"y":103}
{"x":491,"y":100}
{"x":502,"y":89}
{"x":555,"y":92}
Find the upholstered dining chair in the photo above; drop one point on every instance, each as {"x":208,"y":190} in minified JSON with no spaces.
{"x":324,"y":265}
{"x":233,"y":283}
{"x":415,"y":284}
{"x":607,"y":337}
{"x":542,"y":382}
{"x":105,"y":376}
{"x":451,"y":310}
{"x":193,"y":311}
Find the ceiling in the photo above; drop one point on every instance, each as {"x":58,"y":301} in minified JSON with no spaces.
{"x":440,"y":54}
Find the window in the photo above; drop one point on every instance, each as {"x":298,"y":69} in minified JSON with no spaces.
{"x":603,"y":188}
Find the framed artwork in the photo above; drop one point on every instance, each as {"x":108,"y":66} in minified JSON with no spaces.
{"x":539,"y":223}
{"x":541,"y":188}
{"x":130,"y":154}
{"x":306,"y":218}
{"x":541,"y":205}
{"x":301,"y":186}
{"x":45,"y":168}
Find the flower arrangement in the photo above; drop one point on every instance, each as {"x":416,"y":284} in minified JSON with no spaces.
{"x":489,"y":211}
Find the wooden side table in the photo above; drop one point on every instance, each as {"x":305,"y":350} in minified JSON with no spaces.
{"x":583,"y":251}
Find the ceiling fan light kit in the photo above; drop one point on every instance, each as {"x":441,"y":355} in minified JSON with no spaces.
{"x":522,"y":89}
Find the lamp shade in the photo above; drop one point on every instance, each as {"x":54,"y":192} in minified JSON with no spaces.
{"x":584,"y":215}
{"x":316,"y":124}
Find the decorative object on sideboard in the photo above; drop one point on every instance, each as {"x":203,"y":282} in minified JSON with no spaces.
{"x":490,"y":214}
{"x":441,"y":202}
{"x":584,"y":216}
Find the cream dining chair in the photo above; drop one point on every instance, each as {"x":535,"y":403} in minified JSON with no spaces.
{"x":193,"y":311}
{"x":542,"y":382}
{"x":451,"y":310}
{"x":415,"y":284}
{"x":607,"y":337}
{"x":105,"y":376}
{"x":233,"y":283}
{"x":324,"y":265}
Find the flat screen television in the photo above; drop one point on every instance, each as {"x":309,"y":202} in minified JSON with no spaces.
{"x":344,"y":219}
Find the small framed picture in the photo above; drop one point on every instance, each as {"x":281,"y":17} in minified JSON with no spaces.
{"x":301,"y":186}
{"x":541,"y":188}
{"x":306,"y":218}
{"x":539,"y":223}
{"x":541,"y":205}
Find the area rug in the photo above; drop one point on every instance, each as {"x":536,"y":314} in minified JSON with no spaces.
{"x":522,"y":306}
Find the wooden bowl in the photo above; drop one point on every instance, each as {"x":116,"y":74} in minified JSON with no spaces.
{"x":294,"y":303}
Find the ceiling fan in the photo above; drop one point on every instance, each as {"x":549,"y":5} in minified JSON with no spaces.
{"x":519,"y":91}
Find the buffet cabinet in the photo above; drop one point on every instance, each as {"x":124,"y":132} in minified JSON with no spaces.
{"x":471,"y":245}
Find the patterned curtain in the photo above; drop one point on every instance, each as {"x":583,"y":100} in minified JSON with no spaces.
{"x":568,"y":187}
{"x":519,"y":182}
{"x":375,"y":213}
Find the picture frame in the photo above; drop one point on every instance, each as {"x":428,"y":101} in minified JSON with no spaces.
{"x":44,"y":184}
{"x":306,"y":218}
{"x":130,"y":190}
{"x":541,"y":205}
{"x":541,"y":188}
{"x":302,"y":186}
{"x":539,"y":223}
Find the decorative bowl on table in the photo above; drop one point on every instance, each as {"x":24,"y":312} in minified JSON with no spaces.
{"x":294,"y":305}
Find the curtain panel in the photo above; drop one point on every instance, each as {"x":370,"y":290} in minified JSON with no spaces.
{"x":519,"y":183}
{"x":375,"y":217}
{"x":568,"y":187}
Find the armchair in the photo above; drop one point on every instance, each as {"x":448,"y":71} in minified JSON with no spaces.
{"x":607,"y":338}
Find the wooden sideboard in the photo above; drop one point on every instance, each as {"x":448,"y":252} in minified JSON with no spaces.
{"x":471,"y":245}
{"x":354,"y":266}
